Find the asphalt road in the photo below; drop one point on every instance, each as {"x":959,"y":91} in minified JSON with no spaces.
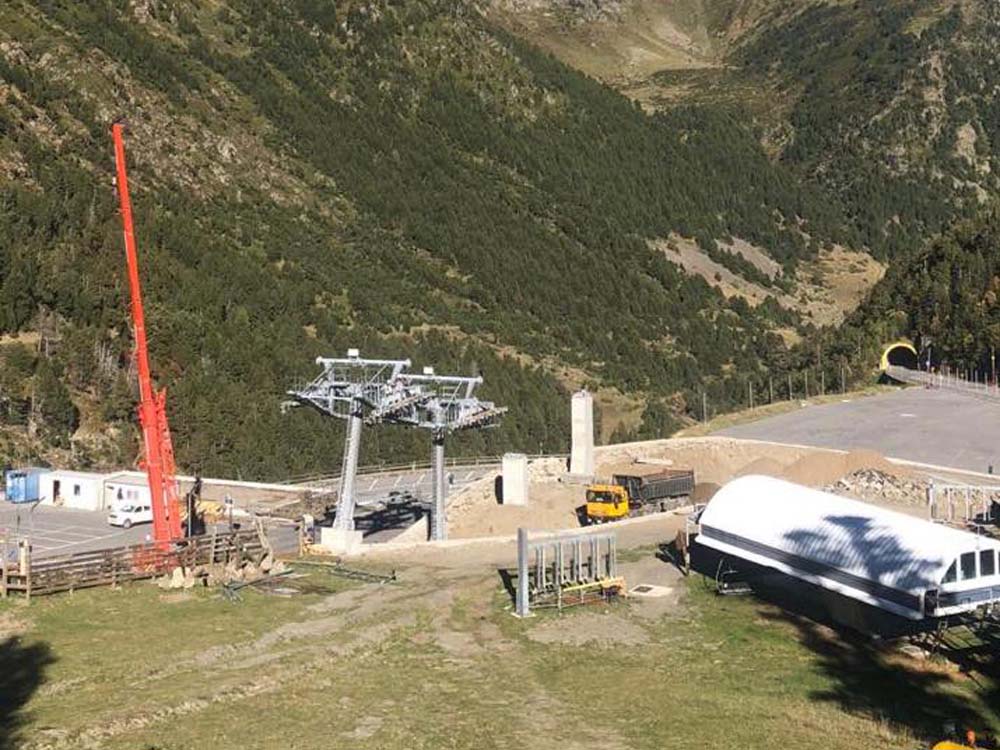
{"x":932,"y":426}
{"x":419,"y":482}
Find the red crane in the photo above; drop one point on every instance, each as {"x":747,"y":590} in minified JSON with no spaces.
{"x":158,"y":451}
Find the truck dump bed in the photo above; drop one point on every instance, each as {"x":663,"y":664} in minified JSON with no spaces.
{"x":666,"y":483}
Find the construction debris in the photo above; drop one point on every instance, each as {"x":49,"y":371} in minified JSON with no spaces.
{"x":879,"y":486}
{"x":222,"y":574}
{"x":356,"y":574}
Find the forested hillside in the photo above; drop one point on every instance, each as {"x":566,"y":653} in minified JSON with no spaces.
{"x":889,"y":108}
{"x":403,"y":177}
{"x":944,"y":298}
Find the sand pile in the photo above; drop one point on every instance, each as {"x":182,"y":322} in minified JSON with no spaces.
{"x":764,"y":465}
{"x":704,"y":491}
{"x":821,"y":469}
{"x":715,"y":460}
{"x":553,"y":508}
{"x":474,"y":510}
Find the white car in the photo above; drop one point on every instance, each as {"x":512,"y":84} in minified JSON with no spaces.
{"x":128,"y":513}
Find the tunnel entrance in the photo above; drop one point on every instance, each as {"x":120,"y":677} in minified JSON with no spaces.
{"x":900,"y":354}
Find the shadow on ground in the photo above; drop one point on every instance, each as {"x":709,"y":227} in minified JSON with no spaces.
{"x":22,"y":671}
{"x":877,"y":679}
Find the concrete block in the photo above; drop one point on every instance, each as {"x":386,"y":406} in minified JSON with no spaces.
{"x":339,"y":541}
{"x":514,"y":487}
{"x":581,"y":458}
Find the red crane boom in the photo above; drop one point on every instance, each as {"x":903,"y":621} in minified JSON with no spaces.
{"x":158,"y":452}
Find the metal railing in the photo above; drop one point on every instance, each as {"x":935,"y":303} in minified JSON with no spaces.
{"x":983,"y":389}
{"x":369,"y":470}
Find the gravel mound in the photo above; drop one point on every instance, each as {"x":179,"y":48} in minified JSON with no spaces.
{"x":880,"y":487}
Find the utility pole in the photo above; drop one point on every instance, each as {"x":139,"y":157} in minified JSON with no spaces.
{"x":704,"y":406}
{"x":770,"y":389}
{"x":805,"y":380}
{"x":750,"y":390}
{"x":843,"y":384}
{"x":822,"y":382}
{"x":789,"y":386}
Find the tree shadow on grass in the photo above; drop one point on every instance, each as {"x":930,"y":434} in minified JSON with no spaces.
{"x":22,"y":671}
{"x":877,"y":679}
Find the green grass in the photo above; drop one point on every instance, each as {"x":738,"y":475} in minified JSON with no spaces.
{"x":440,"y":662}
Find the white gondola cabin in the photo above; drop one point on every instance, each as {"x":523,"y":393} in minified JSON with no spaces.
{"x":900,"y":564}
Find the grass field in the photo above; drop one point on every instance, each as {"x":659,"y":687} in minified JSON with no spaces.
{"x":437,"y":661}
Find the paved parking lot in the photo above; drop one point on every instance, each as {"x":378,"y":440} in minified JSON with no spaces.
{"x":63,"y":530}
{"x":934,"y":426}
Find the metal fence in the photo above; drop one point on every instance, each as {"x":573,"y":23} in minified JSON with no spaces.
{"x":20,"y":574}
{"x":563,"y":569}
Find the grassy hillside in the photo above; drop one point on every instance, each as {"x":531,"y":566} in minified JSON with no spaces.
{"x":404,"y":177}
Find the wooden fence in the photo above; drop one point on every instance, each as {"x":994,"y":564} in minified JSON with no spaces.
{"x":21,"y":574}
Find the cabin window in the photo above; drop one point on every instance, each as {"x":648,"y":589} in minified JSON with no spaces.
{"x":952,"y":575}
{"x":987,"y":562}
{"x":968,"y":564}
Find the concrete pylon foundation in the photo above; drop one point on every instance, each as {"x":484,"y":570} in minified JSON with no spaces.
{"x":581,"y":459}
{"x":339,"y":541}
{"x":515,"y":479}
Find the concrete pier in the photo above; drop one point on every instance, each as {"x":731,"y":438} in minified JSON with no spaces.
{"x":515,"y":479}
{"x":581,"y":460}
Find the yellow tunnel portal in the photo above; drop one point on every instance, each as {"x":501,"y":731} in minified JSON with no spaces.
{"x":900,"y":353}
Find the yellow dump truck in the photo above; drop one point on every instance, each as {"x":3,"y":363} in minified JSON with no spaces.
{"x":637,"y":492}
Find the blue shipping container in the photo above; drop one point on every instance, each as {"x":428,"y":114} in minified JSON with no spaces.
{"x":21,"y":485}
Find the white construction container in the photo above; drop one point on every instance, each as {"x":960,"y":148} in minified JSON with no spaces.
{"x":126,"y":486}
{"x":72,"y":489}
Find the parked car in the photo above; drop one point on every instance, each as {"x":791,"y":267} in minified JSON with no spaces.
{"x":129,"y":512}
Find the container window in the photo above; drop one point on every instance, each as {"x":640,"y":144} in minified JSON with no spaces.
{"x":76,"y":490}
{"x":987,"y":562}
{"x":952,"y":575}
{"x":968,"y":565}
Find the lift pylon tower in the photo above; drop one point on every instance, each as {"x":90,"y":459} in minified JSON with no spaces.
{"x":444,"y":404}
{"x":358,"y":391}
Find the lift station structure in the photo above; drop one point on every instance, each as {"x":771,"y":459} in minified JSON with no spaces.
{"x":374,"y":391}
{"x":446,"y":404}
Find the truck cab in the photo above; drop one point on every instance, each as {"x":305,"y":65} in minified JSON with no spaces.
{"x":606,"y":502}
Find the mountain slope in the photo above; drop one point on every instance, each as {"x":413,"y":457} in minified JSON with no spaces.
{"x":889,"y":108}
{"x":400,"y":176}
